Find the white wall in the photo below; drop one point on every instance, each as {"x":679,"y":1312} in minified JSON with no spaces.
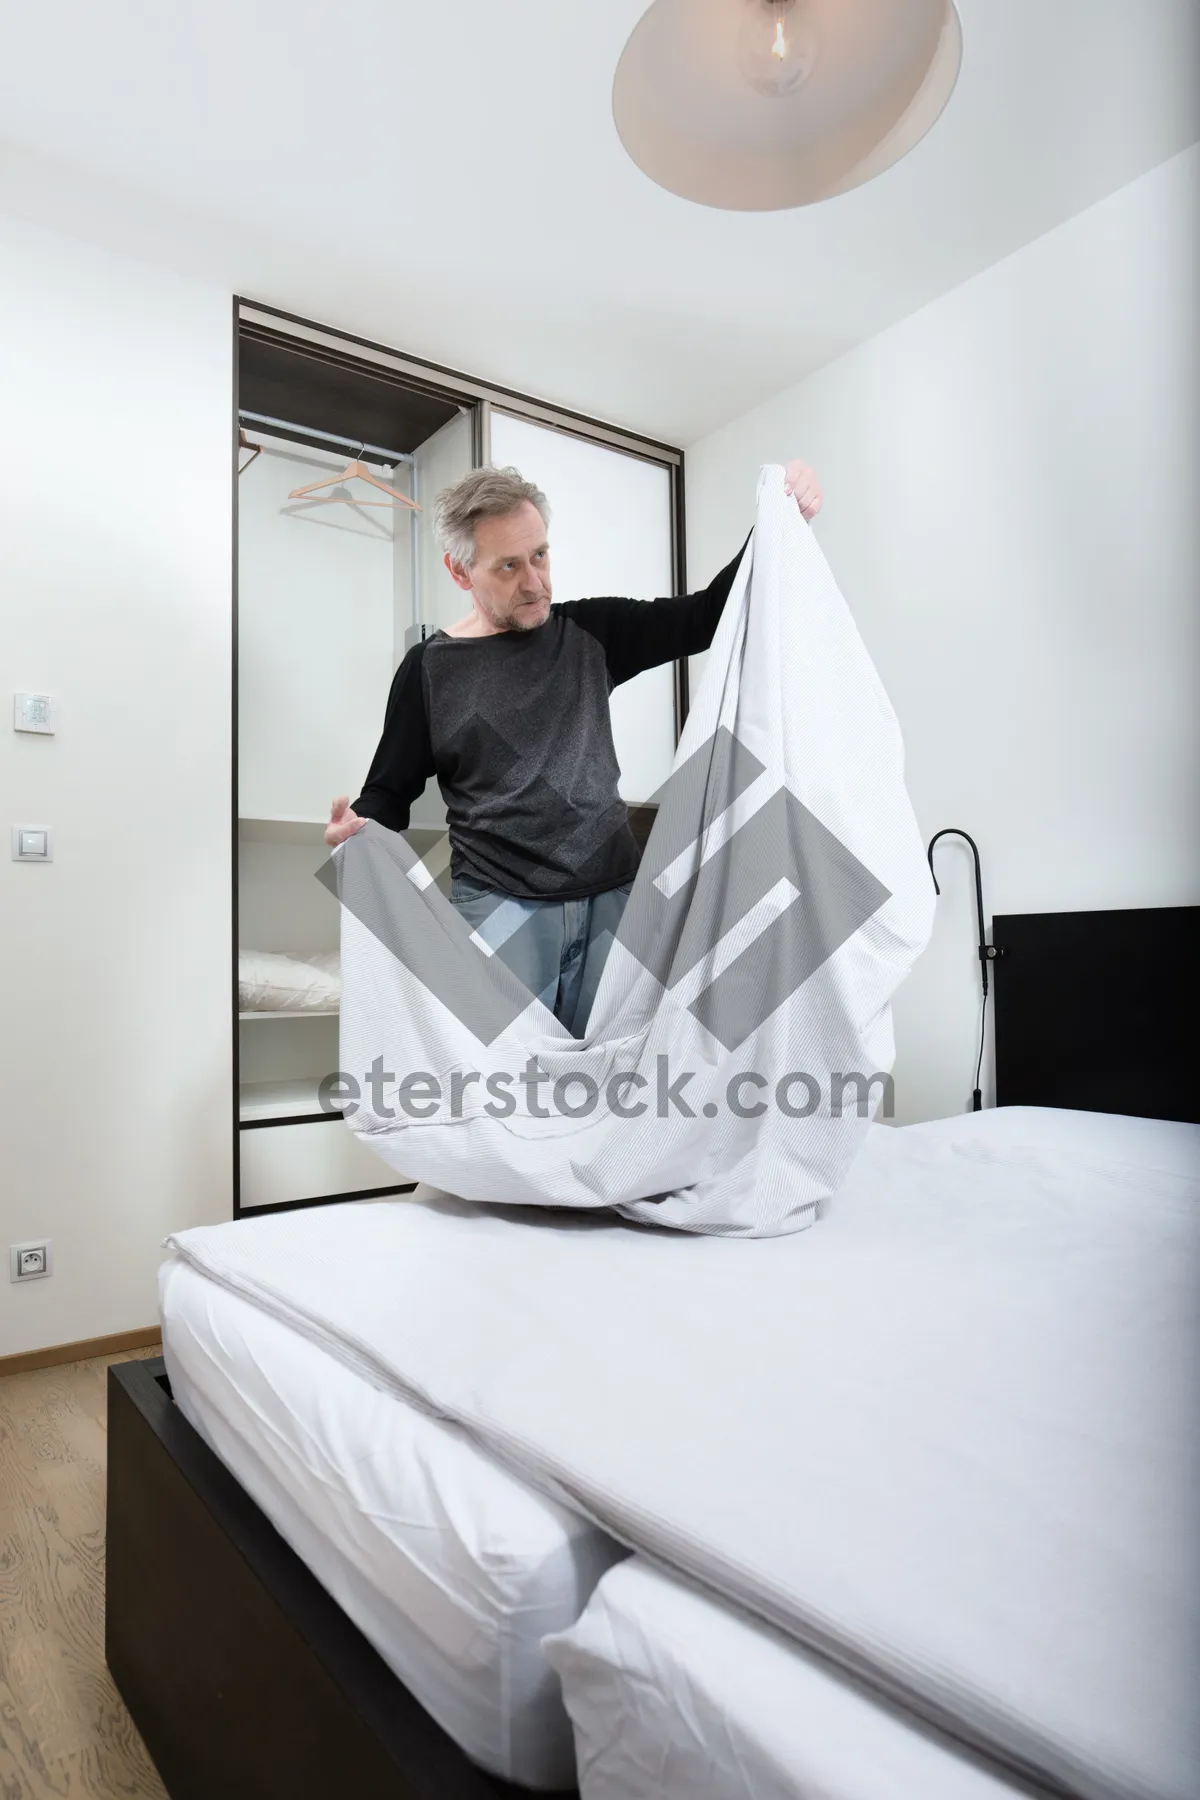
{"x":115,"y":571}
{"x":1012,"y":479}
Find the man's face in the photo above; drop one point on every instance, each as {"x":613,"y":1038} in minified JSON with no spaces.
{"x":510,"y":577}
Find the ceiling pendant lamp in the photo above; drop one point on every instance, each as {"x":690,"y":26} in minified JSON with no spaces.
{"x":756,"y":105}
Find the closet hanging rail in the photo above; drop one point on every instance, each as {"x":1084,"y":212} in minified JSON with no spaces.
{"x":327,"y":437}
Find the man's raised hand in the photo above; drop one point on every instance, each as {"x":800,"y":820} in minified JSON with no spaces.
{"x":800,"y":480}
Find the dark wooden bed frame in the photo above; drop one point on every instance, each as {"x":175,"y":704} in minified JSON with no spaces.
{"x":248,"y":1682}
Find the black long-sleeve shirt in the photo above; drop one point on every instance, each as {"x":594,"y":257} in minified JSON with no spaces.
{"x":516,"y":728}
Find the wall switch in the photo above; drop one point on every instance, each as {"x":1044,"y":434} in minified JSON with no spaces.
{"x":32,"y":843}
{"x":35,"y":712}
{"x":30,"y":1262}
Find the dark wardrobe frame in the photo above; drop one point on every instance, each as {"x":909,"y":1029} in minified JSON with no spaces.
{"x":267,"y":324}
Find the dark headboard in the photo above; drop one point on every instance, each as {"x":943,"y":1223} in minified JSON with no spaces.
{"x":1099,"y":1011}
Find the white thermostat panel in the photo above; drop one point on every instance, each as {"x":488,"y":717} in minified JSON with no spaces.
{"x":35,"y":712}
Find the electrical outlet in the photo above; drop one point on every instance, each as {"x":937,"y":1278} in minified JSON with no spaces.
{"x":30,"y":1262}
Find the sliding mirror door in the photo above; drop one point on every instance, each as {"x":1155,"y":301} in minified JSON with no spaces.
{"x":611,"y":532}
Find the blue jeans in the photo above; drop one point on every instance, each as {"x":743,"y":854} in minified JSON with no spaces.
{"x":556,"y":947}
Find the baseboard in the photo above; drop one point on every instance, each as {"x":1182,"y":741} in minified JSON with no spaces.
{"x":80,"y":1351}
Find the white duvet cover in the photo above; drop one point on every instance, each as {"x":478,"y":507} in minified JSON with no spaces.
{"x":948,"y":1440}
{"x":741,"y":1032}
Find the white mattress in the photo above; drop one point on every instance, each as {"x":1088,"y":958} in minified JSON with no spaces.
{"x":449,"y":1565}
{"x":674,"y":1696}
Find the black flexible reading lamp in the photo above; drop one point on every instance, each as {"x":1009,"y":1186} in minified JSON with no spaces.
{"x":987,"y":952}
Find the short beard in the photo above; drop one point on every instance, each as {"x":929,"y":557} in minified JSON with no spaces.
{"x":513,"y":623}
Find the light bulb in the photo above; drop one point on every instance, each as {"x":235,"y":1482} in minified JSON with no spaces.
{"x":776,"y":49}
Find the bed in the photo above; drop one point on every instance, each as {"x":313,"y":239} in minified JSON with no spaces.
{"x":674,"y":1694}
{"x":283,"y":1683}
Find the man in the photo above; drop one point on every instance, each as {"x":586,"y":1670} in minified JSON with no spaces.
{"x":509,"y":709}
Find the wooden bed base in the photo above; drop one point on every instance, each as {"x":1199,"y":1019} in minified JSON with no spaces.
{"x":244,"y":1677}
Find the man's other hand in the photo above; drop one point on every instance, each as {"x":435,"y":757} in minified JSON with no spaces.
{"x":343,"y":822}
{"x":799,"y":479}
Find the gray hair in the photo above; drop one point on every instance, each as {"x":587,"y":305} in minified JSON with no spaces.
{"x":483,"y":494}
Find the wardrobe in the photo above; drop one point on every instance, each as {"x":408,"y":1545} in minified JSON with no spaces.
{"x":332,"y":585}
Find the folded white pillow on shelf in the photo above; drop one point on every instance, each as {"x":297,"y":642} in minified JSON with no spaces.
{"x":270,"y":981}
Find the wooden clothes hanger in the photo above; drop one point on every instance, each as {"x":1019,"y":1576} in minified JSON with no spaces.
{"x":254,"y":449}
{"x":352,"y":470}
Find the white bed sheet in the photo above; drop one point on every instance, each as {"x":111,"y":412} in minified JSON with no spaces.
{"x":674,"y":1696}
{"x":449,"y":1565}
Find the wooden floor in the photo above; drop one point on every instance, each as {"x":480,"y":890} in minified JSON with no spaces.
{"x":63,"y":1728}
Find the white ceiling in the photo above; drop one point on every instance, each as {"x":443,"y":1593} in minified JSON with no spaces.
{"x":446,"y":178}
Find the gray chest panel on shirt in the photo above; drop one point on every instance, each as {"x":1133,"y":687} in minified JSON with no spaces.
{"x":523,"y":746}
